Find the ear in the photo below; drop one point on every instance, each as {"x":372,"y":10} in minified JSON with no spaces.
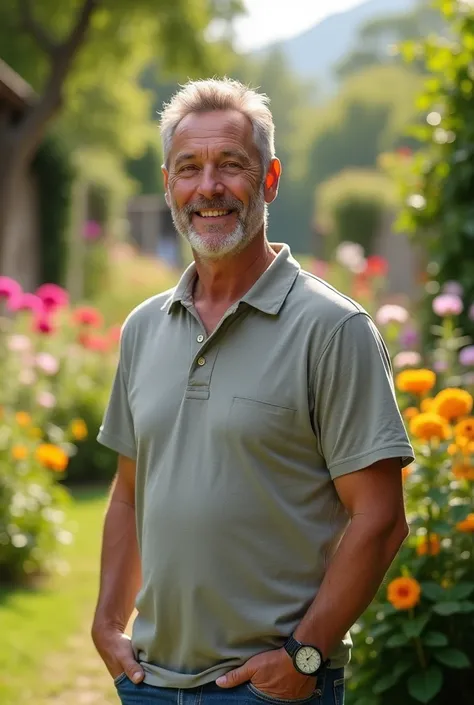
{"x":272,"y":180}
{"x":166,"y":184}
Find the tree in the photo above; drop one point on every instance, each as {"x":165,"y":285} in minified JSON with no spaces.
{"x":81,"y":52}
{"x":439,"y":209}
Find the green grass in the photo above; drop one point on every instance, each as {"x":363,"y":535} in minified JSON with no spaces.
{"x":36,"y":623}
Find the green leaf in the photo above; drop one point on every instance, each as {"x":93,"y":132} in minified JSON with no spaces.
{"x":460,"y":591}
{"x":435,"y":639}
{"x":454,"y":658}
{"x":433,"y":591}
{"x":442,"y":528}
{"x":385,"y":683}
{"x":424,"y":686}
{"x":467,"y":606}
{"x":396,"y":640}
{"x":414,"y":627}
{"x":447,"y":608}
{"x":459,"y":512}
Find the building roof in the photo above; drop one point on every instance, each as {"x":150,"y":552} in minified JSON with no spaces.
{"x":13,"y":88}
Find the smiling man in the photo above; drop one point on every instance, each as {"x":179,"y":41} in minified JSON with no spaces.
{"x":258,"y":499}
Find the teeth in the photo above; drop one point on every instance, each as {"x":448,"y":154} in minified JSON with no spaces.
{"x":212,"y":214}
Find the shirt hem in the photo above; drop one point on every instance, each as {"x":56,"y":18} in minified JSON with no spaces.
{"x":404,"y":452}
{"x":116,"y":444}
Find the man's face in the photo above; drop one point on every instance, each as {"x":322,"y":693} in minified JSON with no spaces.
{"x":215,"y":183}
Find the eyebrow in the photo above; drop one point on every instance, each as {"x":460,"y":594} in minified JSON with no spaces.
{"x":233,"y":153}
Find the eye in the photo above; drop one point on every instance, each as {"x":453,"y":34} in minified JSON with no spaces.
{"x":232,"y":165}
{"x":188,"y":167}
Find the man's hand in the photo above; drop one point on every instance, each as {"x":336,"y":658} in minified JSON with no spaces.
{"x":115,"y":649}
{"x":273,"y":673}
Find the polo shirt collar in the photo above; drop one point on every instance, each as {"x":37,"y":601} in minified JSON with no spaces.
{"x":269,"y":292}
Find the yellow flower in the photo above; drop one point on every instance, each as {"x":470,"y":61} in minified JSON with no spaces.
{"x":404,"y":593}
{"x":429,"y":427}
{"x":52,"y":457}
{"x":426,"y":404}
{"x":416,"y":381}
{"x":23,"y":418}
{"x":78,"y":429}
{"x":465,"y":428}
{"x":431,"y":547}
{"x":463,"y":471}
{"x":452,"y":403}
{"x":467,"y":525}
{"x":410,"y":412}
{"x":19,"y":452}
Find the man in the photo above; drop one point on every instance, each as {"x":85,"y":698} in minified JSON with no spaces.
{"x":258,"y":500}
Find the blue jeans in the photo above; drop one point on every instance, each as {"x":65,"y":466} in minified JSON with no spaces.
{"x":330,"y":691}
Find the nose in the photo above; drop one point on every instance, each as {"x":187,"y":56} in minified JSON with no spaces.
{"x":209,"y":184}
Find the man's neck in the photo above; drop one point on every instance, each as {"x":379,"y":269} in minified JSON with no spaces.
{"x":222,"y":282}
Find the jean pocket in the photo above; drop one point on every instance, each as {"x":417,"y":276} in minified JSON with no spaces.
{"x":279,"y":701}
{"x":339,"y":692}
{"x":120,"y":679}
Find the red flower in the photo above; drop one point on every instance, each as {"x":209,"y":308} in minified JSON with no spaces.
{"x":376,"y":266}
{"x":114,"y":334}
{"x":97,"y":343}
{"x":87,"y":316}
{"x":53,"y":296}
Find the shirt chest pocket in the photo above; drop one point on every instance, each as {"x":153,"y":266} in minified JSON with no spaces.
{"x":257,"y":424}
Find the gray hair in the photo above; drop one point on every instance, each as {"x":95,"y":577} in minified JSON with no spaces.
{"x":221,"y":94}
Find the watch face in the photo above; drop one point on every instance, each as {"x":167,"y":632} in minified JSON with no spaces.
{"x":308,"y":660}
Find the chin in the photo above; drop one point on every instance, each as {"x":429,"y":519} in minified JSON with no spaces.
{"x":217,"y":247}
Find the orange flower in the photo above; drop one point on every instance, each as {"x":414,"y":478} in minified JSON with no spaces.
{"x":463,"y":471}
{"x":452,"y":403}
{"x":52,"y":457}
{"x":429,"y":427}
{"x":407,"y":471}
{"x":465,"y":428}
{"x":416,"y":381}
{"x":78,"y":429}
{"x":410,"y":413}
{"x":23,"y":418}
{"x":426,"y":404}
{"x":404,"y":593}
{"x":453,"y":449}
{"x":19,"y":452}
{"x":466,"y":526}
{"x":431,"y":547}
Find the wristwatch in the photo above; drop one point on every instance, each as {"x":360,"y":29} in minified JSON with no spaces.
{"x":307,"y":659}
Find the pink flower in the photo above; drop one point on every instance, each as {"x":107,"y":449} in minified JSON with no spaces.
{"x":440,"y":366}
{"x":26,"y":302}
{"x":454,"y":288}
{"x":92,"y":230}
{"x":43,"y":324}
{"x":47,"y":363}
{"x":466,"y":356}
{"x":9,"y":287}
{"x":408,"y":337}
{"x":46,"y":400}
{"x":391,"y":313}
{"x":19,"y":343}
{"x":447,"y":305}
{"x":408,"y":358}
{"x":53,"y":296}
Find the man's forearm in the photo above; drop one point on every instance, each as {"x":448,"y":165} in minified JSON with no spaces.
{"x":351,"y":582}
{"x":120,"y":577}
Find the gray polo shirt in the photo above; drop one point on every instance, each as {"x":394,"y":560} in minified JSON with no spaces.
{"x":237,"y":438}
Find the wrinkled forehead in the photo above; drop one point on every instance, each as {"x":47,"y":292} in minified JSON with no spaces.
{"x":209,"y":134}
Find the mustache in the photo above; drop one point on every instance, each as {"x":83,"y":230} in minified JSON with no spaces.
{"x":215,"y":204}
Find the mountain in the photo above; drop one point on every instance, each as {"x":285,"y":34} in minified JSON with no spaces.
{"x":314,"y":53}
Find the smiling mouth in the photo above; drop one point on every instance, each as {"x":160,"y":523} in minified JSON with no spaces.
{"x":213,"y":213}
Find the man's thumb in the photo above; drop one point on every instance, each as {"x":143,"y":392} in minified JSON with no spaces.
{"x":134,"y":671}
{"x":234,"y":678}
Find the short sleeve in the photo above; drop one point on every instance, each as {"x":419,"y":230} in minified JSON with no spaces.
{"x":356,"y":415}
{"x":117,"y":429}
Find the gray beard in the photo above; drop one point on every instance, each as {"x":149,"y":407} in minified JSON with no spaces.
{"x":249,"y":222}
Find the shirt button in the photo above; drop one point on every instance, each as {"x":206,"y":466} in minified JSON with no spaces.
{"x":200,"y":338}
{"x":201,"y":361}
